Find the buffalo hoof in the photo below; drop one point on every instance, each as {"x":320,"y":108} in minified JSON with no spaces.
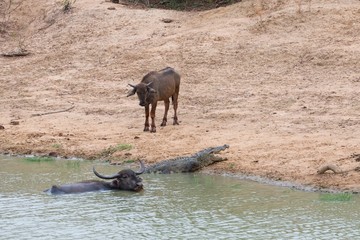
{"x":163,"y":124}
{"x":153,"y":130}
{"x":146,"y":129}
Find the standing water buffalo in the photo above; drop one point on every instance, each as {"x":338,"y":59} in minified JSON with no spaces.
{"x":126,"y":179}
{"x":158,"y":86}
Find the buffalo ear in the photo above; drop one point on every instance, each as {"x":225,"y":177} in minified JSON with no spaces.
{"x":115,"y":183}
{"x":132,"y":92}
{"x":151,"y":90}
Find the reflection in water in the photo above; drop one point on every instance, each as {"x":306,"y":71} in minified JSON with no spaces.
{"x":179,"y":206}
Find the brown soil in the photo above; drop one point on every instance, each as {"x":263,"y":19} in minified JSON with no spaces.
{"x":278,"y":81}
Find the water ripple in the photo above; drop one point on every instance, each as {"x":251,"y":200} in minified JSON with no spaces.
{"x":179,"y":206}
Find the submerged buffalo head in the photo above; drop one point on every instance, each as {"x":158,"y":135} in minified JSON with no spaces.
{"x":126,"y":179}
{"x":144,"y":91}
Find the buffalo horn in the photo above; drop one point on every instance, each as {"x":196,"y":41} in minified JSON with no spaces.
{"x":142,"y":168}
{"x":141,"y":171}
{"x":132,"y":92}
{"x":105,"y":177}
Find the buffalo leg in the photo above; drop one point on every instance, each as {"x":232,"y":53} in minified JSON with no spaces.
{"x":152,"y":115}
{"x":146,"y":128}
{"x":167,"y":103}
{"x":175,"y":103}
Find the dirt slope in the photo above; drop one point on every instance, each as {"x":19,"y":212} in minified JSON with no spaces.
{"x":278,"y":83}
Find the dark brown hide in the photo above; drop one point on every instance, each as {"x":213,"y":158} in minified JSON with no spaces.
{"x":158,"y":86}
{"x":126,"y":179}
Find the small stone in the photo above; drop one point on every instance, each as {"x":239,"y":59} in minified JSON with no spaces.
{"x":167,"y":20}
{"x":14,"y":122}
{"x":52,"y":154}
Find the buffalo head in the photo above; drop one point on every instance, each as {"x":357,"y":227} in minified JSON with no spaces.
{"x":144,"y":91}
{"x":126,"y":179}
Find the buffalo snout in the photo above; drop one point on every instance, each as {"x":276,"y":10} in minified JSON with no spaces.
{"x":142,"y":104}
{"x":139,"y":187}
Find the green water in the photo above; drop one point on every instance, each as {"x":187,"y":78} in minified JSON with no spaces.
{"x":178,"y":206}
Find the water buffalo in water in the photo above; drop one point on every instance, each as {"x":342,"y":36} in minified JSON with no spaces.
{"x":126,"y":179}
{"x":158,"y":86}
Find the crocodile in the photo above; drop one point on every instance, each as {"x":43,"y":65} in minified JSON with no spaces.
{"x":191,"y":163}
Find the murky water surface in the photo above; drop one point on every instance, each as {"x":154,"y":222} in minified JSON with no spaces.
{"x":179,"y":206}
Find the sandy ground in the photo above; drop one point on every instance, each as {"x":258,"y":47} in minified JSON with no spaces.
{"x":278,"y":82}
